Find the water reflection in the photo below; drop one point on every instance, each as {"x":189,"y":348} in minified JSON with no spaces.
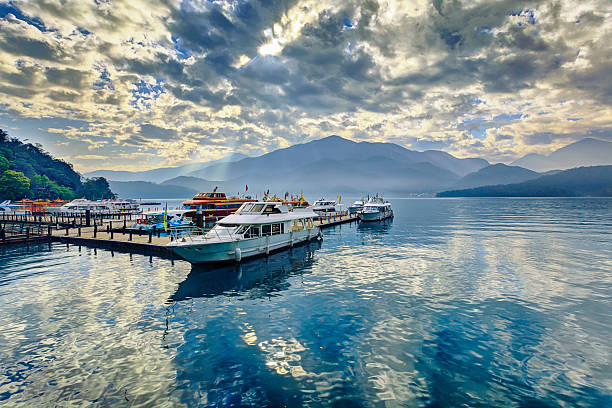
{"x":383,"y":227}
{"x":269,"y":275}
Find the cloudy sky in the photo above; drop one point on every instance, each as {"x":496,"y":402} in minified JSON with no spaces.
{"x":137,"y":84}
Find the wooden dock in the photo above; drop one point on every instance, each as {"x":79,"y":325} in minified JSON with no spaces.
{"x":105,"y":234}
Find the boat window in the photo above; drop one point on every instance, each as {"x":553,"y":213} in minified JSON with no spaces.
{"x":246,"y":207}
{"x":242,"y":229}
{"x":252,"y":232}
{"x":276,"y":229}
{"x":257,"y":208}
{"x":297,"y":225}
{"x":224,"y":225}
{"x":266,"y":230}
{"x":272,"y":209}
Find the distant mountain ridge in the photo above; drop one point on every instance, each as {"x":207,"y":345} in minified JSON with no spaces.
{"x":334,"y":148}
{"x":334,"y":165}
{"x":147,"y":189}
{"x":496,"y":174}
{"x":595,"y":181}
{"x":160,"y":174}
{"x":586,"y":152}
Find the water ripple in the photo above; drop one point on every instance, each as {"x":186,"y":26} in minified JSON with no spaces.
{"x":476,"y":302}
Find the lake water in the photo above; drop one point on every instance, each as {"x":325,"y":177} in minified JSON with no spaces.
{"x":469,"y":302}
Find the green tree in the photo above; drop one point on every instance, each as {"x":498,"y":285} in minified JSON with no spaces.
{"x":14,"y":185}
{"x":4,"y":164}
{"x":96,"y":187}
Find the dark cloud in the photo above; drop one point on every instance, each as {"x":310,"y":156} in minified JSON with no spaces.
{"x":69,"y":78}
{"x":343,"y":62}
{"x":156,"y":132}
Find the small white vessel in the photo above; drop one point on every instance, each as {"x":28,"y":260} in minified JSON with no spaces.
{"x":80,"y":205}
{"x":125,"y":206}
{"x":327,"y":208}
{"x":155,"y":220}
{"x":376,"y":209}
{"x":257,"y":228}
{"x":8,"y":207}
{"x":356,"y":207}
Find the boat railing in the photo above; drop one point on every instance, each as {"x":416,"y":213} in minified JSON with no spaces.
{"x":183,"y":231}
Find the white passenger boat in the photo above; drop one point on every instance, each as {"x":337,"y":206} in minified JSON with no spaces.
{"x":376,"y":209}
{"x":356,"y":207}
{"x":327,"y":208}
{"x":80,"y":205}
{"x":256,"y":228}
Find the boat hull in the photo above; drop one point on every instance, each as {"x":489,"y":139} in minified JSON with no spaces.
{"x":227,"y":251}
{"x":371,"y":216}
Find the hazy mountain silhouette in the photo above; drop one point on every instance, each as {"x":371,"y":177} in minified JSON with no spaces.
{"x":162,"y":173}
{"x":337,"y":149}
{"x":146,"y":189}
{"x":586,"y":152}
{"x":583,"y":181}
{"x":336,"y":165}
{"x":496,"y":174}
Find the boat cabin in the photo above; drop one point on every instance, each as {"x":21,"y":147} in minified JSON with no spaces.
{"x":210,"y":196}
{"x":261,"y":219}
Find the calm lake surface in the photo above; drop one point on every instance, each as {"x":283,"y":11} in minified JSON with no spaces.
{"x":468,"y":302}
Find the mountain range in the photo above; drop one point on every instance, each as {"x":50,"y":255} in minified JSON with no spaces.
{"x":335,"y":165}
{"x":162,"y":173}
{"x":586,"y":152}
{"x":594,"y":181}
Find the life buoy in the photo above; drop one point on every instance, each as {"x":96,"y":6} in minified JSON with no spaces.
{"x":139,"y":221}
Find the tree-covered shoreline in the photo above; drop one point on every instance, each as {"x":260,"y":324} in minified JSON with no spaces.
{"x":28,"y":171}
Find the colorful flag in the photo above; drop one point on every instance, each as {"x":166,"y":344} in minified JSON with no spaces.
{"x":166,"y":217}
{"x":247,"y":187}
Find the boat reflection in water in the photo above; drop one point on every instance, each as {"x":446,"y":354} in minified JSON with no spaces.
{"x":383,"y":226}
{"x":269,"y":275}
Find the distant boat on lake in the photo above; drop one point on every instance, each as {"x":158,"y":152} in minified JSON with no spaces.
{"x":376,"y":209}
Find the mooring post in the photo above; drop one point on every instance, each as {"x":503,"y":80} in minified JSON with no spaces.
{"x":150,"y":235}
{"x":95,"y":230}
{"x":28,"y":234}
{"x":79,"y":230}
{"x":88,"y":218}
{"x":49,"y":230}
{"x":111,"y":232}
{"x":67,"y":231}
{"x":130,"y":235}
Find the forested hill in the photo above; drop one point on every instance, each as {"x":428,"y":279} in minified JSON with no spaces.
{"x":595,"y":181}
{"x":27,"y":171}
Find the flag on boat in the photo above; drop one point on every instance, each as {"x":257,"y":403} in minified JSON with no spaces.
{"x":166,"y":217}
{"x":286,"y":195}
{"x":247,"y":187}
